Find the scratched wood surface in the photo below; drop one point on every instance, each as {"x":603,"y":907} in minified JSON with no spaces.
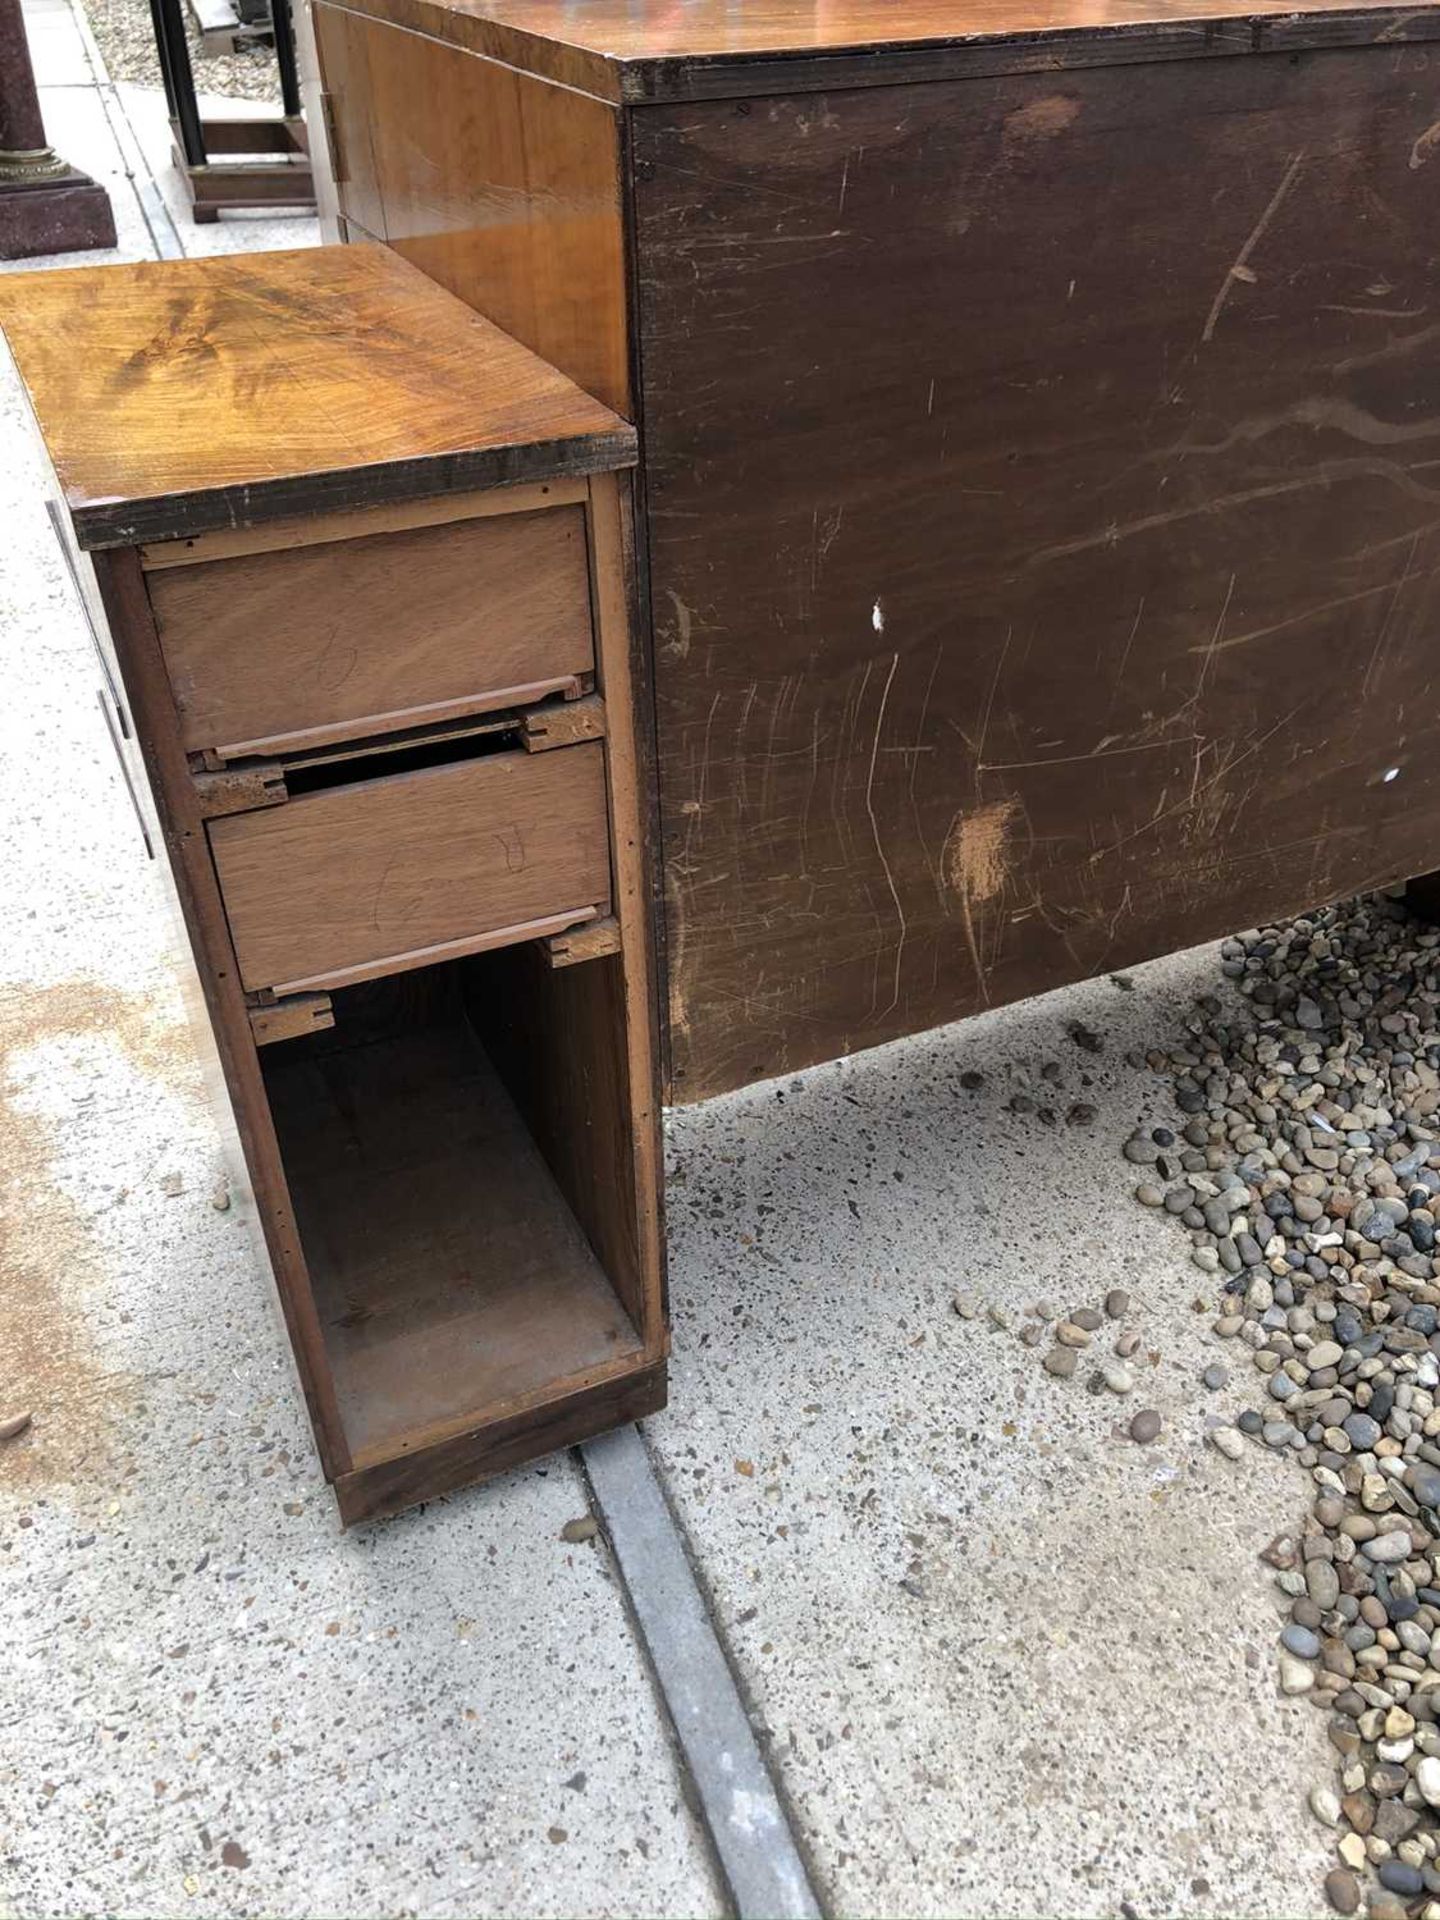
{"x":178,"y":396}
{"x":648,"y":50}
{"x":1044,"y":519}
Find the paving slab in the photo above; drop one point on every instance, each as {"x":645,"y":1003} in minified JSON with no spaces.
{"x":1007,"y":1661}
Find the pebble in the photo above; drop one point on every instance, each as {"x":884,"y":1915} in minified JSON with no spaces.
{"x":1300,"y":1641}
{"x":1145,"y":1427}
{"x":1227,"y":1440}
{"x":1128,"y":1343}
{"x":1296,"y":1675}
{"x":1342,"y":1890}
{"x":1117,"y":1376}
{"x":1061,"y":1361}
{"x":1069,"y":1335}
{"x":1117,"y":1303}
{"x":967,"y":1306}
{"x":1325,"y":1805}
{"x":16,"y":1424}
{"x":1214,"y":1377}
{"x":1389,"y":1548}
{"x":578,"y":1531}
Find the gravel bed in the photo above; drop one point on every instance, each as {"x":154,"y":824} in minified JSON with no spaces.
{"x":1304,"y":1165}
{"x":126,"y":40}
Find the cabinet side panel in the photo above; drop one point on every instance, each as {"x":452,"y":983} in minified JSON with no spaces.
{"x":176,"y":811}
{"x":1041,"y":481}
{"x":502,"y":187}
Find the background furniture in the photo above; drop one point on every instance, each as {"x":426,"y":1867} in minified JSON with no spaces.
{"x":46,"y":206}
{"x":245,"y":162}
{"x":357,"y":569}
{"x":1038,"y":411}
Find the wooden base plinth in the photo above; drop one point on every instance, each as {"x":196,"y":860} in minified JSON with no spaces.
{"x":68,"y":215}
{"x":264,"y":163}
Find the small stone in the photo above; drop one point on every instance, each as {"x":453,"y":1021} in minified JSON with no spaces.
{"x":998,"y":1318}
{"x":1398,"y":1876}
{"x":1214,"y":1377}
{"x":1128,"y":1343}
{"x":1149,"y":1195}
{"x":578,"y":1531}
{"x":1427,"y":1779}
{"x":220,"y":1196}
{"x":1117,"y":1303}
{"x":1361,"y":1431}
{"x":1325,"y":1805}
{"x":1342,"y":1890}
{"x":1351,"y":1850}
{"x":1325,"y":1353}
{"x":1145,"y":1427}
{"x":966,"y":1305}
{"x":172,"y":1184}
{"x":1069,"y":1335}
{"x":1296,"y":1675}
{"x":1300,"y":1641}
{"x":1227,"y":1440}
{"x":1061,"y":1361}
{"x":1117,"y":1376}
{"x":15,"y":1425}
{"x":1389,"y":1548}
{"x":1086,"y":1318}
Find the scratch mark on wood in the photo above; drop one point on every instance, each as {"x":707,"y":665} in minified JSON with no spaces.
{"x":1240,"y":266}
{"x":1383,"y":638}
{"x":879,"y":843}
{"x":1322,"y":476}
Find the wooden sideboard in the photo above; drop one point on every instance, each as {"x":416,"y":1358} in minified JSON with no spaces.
{"x":356,"y":565}
{"x":1039,"y":432}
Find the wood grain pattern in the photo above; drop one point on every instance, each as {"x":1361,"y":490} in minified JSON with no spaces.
{"x":453,"y":1282}
{"x":1074,"y":603}
{"x":653,"y":50}
{"x":368,"y":873}
{"x":354,"y":634}
{"x":308,"y":530}
{"x":497,"y":185}
{"x":375,"y":1492}
{"x":178,"y":396}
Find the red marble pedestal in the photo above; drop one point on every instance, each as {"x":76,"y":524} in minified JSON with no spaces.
{"x":46,"y":206}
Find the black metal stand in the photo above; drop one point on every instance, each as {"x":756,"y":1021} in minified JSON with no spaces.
{"x":275,"y":168}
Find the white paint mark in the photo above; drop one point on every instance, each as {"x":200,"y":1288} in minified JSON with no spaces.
{"x":877,"y":617}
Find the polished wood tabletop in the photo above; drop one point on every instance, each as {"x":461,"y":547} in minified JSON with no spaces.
{"x":180,"y":416}
{"x":634,"y":50}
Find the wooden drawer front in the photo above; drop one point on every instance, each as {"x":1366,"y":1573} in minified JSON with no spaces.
{"x":339,"y":883}
{"x":348,"y":637}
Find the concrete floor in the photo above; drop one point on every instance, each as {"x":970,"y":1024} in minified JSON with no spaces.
{"x":213,"y":1701}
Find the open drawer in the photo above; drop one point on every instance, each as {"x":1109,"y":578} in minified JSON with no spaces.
{"x":349,"y":637}
{"x":378,"y":876}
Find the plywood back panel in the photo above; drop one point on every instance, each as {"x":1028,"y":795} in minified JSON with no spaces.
{"x":1043,"y":479}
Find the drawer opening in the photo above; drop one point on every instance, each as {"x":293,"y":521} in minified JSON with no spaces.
{"x":455,"y":1284}
{"x":341,"y":769}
